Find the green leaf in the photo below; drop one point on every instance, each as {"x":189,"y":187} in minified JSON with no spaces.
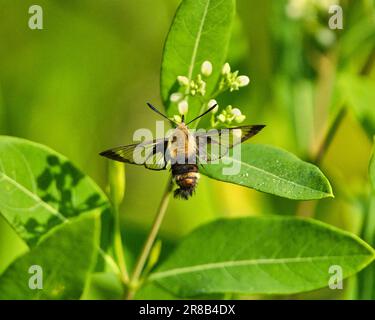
{"x":153,"y":291}
{"x":200,"y":31}
{"x":40,"y":189}
{"x":66,"y":256}
{"x":357,"y":92}
{"x":366,"y":279}
{"x":103,"y":286}
{"x":273,"y":170}
{"x":269,"y":255}
{"x":372,"y":168}
{"x":356,"y":40}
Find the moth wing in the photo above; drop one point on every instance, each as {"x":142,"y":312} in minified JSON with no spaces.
{"x":214,"y":144}
{"x":150,"y":154}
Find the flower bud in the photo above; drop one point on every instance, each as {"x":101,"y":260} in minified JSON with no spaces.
{"x":243,"y":81}
{"x":211,"y":103}
{"x":183,"y":107}
{"x":177,"y":96}
{"x":236,"y":112}
{"x":221,"y":118}
{"x":183,"y":81}
{"x":206,"y":68}
{"x":116,"y":182}
{"x":202,"y":89}
{"x":154,"y":255}
{"x":240,"y":118}
{"x":226,"y":69}
{"x":229,"y":109}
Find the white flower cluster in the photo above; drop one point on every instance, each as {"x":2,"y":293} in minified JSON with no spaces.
{"x":309,"y":11}
{"x":226,"y":116}
{"x":297,"y":9}
{"x":197,"y":87}
{"x":231,"y":80}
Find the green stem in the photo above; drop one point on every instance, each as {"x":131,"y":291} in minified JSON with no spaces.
{"x":110,"y":262}
{"x":205,"y":102}
{"x":365,"y":70}
{"x":330,"y":135}
{"x":135,"y":277}
{"x":116,"y":172}
{"x":216,"y":93}
{"x":308,"y":208}
{"x":119,"y":251}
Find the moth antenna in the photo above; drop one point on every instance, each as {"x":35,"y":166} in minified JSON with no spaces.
{"x":207,"y":111}
{"x":159,"y":113}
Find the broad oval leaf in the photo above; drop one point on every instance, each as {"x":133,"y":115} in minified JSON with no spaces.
{"x":154,"y":291}
{"x":103,"y":286}
{"x":372,"y":167}
{"x":200,"y":31}
{"x":357,"y":91}
{"x":272,"y":170}
{"x":261,"y":255}
{"x":66,"y":255}
{"x":365,"y":288}
{"x":366,"y":279}
{"x":40,"y":189}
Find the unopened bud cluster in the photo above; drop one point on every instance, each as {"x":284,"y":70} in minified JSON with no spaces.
{"x":229,"y":81}
{"x":190,"y":87}
{"x":227,"y":116}
{"x":314,"y":15}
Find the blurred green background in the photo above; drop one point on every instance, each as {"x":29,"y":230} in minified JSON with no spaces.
{"x":80,"y":86}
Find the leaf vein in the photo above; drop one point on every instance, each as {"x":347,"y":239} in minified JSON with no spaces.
{"x":276,"y":176}
{"x":33,"y":196}
{"x":240,"y":263}
{"x":197,"y":41}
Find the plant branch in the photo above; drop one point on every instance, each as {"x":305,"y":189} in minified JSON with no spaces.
{"x":119,"y":252}
{"x":110,"y":261}
{"x":133,"y":284}
{"x":307,"y":208}
{"x":116,"y":172}
{"x":365,"y":70}
{"x":368,"y":65}
{"x":330,"y":135}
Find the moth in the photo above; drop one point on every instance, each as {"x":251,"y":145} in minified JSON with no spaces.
{"x":183,"y":151}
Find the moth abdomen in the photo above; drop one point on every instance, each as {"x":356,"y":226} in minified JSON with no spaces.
{"x":186,"y":177}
